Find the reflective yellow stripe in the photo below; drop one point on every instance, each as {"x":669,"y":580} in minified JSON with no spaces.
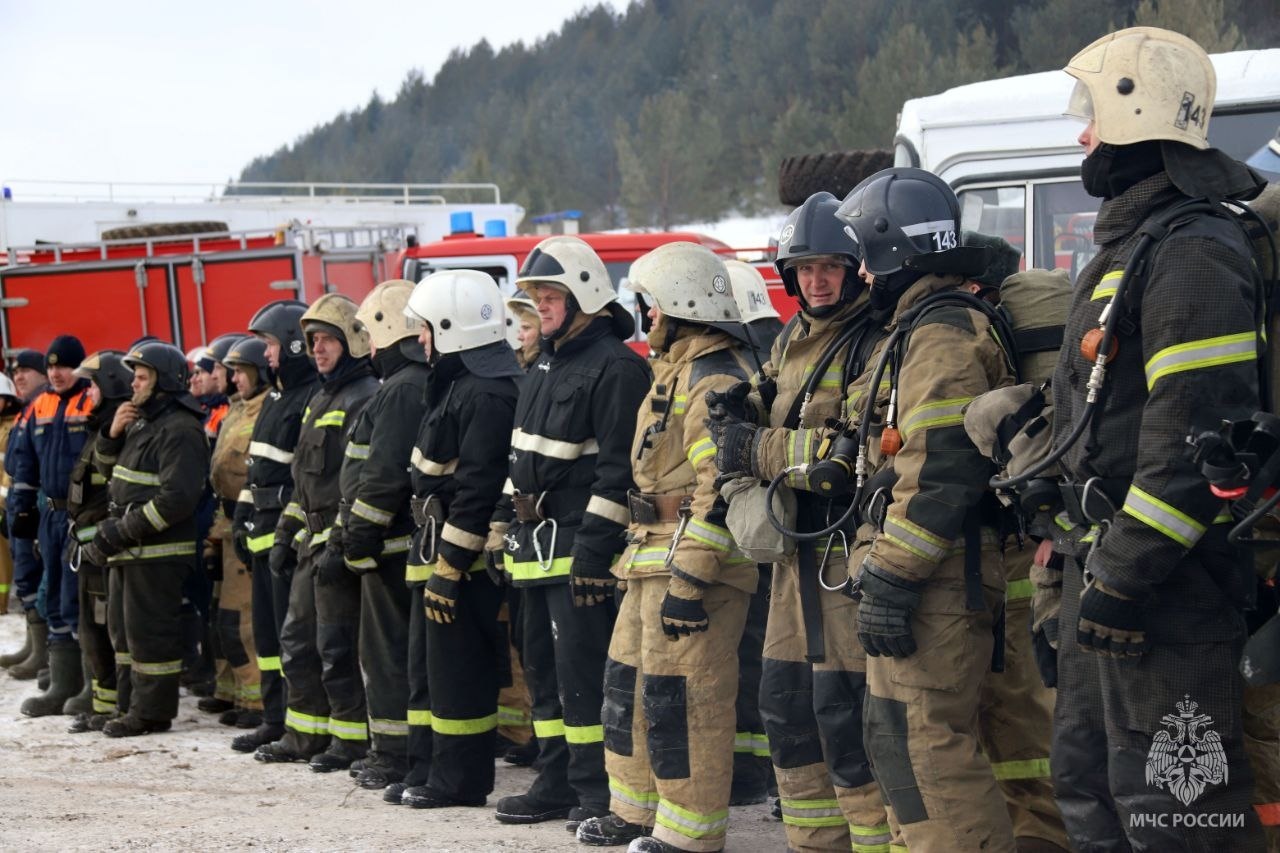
{"x":153,"y":515}
{"x":1019,"y":590}
{"x":335,"y":418}
{"x":1163,"y":517}
{"x":392,"y":728}
{"x":512,"y":716}
{"x":362,"y":563}
{"x":940,"y":413}
{"x":1196,"y":355}
{"x":86,"y":534}
{"x":680,"y":403}
{"x":154,"y":552}
{"x":269,"y":664}
{"x":371,"y":513}
{"x":1107,"y":286}
{"x":157,"y":668}
{"x":294,"y":511}
{"x":1031,"y":768}
{"x":916,"y":539}
{"x":583,"y":734}
{"x":124,"y":659}
{"x":258,"y":544}
{"x":710,"y":535}
{"x":647,"y":800}
{"x":431,"y":467}
{"x":415,"y":572}
{"x":755,"y":743}
{"x":419,"y":718}
{"x":141,"y":478}
{"x":356,"y":451}
{"x":348,"y":730}
{"x":475,"y":726}
{"x":703,"y":448}
{"x":533,"y":571}
{"x":548,"y":728}
{"x":648,"y":557}
{"x":830,"y":378}
{"x":870,"y":839}
{"x":607,"y":509}
{"x":321,"y":537}
{"x":305,"y":723}
{"x":812,"y":813}
{"x":554,"y":448}
{"x":691,"y":824}
{"x":398,"y":545}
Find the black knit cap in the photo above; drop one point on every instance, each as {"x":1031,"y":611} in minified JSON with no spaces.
{"x":65,"y":351}
{"x":28,"y":358}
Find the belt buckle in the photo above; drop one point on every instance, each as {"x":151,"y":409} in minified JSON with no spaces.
{"x":642,"y":511}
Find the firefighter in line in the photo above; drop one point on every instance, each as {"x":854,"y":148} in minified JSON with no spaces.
{"x":458,"y":463}
{"x":671,"y":680}
{"x":209,"y":359}
{"x":570,"y":472}
{"x":24,"y":664}
{"x":240,"y":681}
{"x":156,"y":456}
{"x":522,"y":312}
{"x":376,"y":527}
{"x":752,"y":771}
{"x":11,"y":406}
{"x":1151,"y":625}
{"x":813,"y":680}
{"x":47,"y":451}
{"x":269,"y":489}
{"x":325,"y":720}
{"x":110,"y":386}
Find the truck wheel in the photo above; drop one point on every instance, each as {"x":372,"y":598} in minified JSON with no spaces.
{"x":162,"y":229}
{"x":835,"y":172}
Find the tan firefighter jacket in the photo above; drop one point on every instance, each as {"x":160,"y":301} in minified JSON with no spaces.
{"x":951,"y":357}
{"x":673,"y":455}
{"x":229,"y":467}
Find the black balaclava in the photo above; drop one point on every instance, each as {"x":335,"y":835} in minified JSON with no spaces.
{"x":1112,"y":169}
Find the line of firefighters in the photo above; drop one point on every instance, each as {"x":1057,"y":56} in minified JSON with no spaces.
{"x":422,"y":538}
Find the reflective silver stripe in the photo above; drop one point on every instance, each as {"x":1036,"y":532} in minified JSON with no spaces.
{"x":647,"y":800}
{"x":245,"y":497}
{"x":270,"y":451}
{"x":915,"y":539}
{"x":1195,"y":355}
{"x":461,"y":538}
{"x":691,"y":824}
{"x":389,"y":727}
{"x":606,"y":508}
{"x":430,"y":467}
{"x":398,"y":545}
{"x":154,"y":552}
{"x":294,"y":511}
{"x":164,"y":667}
{"x":356,"y":451}
{"x":709,"y":535}
{"x":570,"y":450}
{"x":153,"y":515}
{"x":1162,"y":517}
{"x":142,"y":478}
{"x":936,"y":414}
{"x":369,"y":512}
{"x":921,"y":228}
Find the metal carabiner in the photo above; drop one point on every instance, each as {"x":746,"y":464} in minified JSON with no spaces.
{"x":544,"y":561}
{"x":826,"y":557}
{"x":1091,"y":485}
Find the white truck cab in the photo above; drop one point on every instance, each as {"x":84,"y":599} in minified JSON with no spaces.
{"x":1013,"y":160}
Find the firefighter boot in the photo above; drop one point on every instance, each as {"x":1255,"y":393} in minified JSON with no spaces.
{"x":292,"y":747}
{"x":263,"y":734}
{"x":339,"y":755}
{"x":609,"y":831}
{"x":424,"y":797}
{"x":37,"y":654}
{"x":42,"y":678}
{"x":81,"y":724}
{"x":525,"y":808}
{"x":131,"y":726}
{"x":82,"y":702}
{"x":650,"y":845}
{"x":12,"y":658}
{"x":64,"y":681}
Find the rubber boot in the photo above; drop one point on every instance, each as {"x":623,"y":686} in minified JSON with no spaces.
{"x":23,"y":653}
{"x":82,"y":702}
{"x":65,"y":677}
{"x":38,"y":656}
{"x":42,"y":679}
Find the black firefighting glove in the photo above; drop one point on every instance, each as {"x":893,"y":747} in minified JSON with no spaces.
{"x":682,"y":611}
{"x":330,"y":567}
{"x":1046,"y":602}
{"x":279,"y":561}
{"x":90,"y":554}
{"x":440,"y":595}
{"x":884,"y":616}
{"x":590,"y":582}
{"x":212,"y":559}
{"x":362,"y":542}
{"x":731,"y":403}
{"x":735,"y":446}
{"x":240,"y":544}
{"x":111,"y":538}
{"x":25,"y":524}
{"x":1111,"y":623}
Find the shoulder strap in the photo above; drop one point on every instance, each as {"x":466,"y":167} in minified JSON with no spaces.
{"x":999,"y":320}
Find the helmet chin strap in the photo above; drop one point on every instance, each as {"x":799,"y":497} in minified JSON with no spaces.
{"x":571,"y":309}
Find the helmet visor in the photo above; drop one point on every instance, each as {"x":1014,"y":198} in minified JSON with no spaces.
{"x":1080,"y":104}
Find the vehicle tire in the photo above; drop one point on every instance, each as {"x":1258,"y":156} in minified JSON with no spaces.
{"x":163,"y":229}
{"x":835,"y":172}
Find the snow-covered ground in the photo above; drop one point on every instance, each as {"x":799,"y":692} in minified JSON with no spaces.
{"x":187,"y":790}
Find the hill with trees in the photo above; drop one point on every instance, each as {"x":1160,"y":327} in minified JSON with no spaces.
{"x":681,"y":110}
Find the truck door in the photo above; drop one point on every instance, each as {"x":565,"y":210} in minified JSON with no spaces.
{"x":219,"y":293}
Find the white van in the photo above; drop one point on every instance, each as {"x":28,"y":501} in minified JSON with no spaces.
{"x":1013,"y":160}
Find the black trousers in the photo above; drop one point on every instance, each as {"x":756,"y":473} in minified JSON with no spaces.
{"x":270,"y":604}
{"x":152,"y":603}
{"x":751,"y":765}
{"x":385,"y":603}
{"x":564,"y":654}
{"x":95,"y":637}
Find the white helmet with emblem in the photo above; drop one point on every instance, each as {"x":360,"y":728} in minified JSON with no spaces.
{"x":464,"y":307}
{"x":686,"y":281}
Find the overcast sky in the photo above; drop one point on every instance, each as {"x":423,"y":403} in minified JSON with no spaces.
{"x":181,"y":91}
